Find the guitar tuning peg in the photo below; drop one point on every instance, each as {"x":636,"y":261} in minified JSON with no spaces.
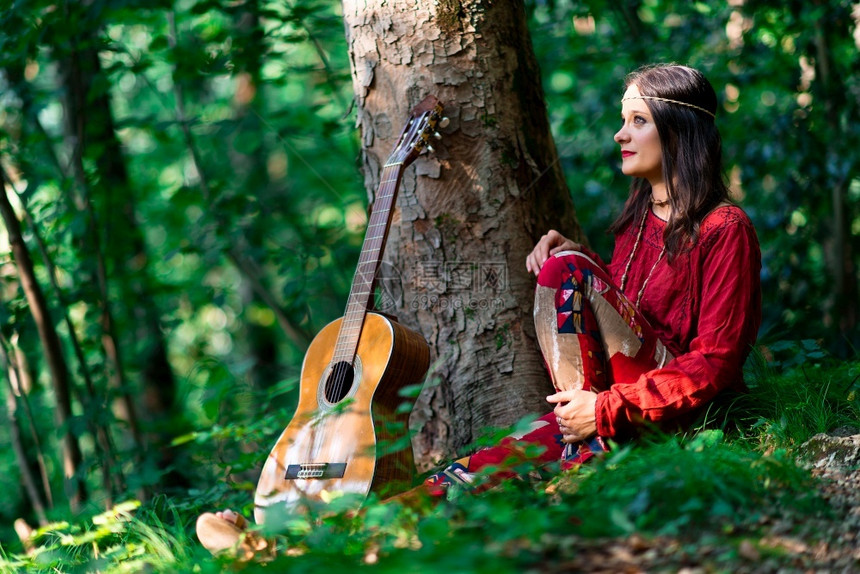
{"x":437,"y":135}
{"x":443,"y":123}
{"x":430,"y":148}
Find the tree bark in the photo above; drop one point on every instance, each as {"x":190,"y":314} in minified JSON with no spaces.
{"x":470,"y":213}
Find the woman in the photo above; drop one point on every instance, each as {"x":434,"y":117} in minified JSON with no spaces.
{"x":652,"y":338}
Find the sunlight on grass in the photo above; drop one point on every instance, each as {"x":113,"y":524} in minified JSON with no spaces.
{"x":717,"y":483}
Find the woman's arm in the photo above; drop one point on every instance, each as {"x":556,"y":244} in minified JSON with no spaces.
{"x":728,"y":321}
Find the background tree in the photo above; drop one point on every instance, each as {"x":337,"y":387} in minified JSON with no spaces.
{"x":216,"y":144}
{"x":72,"y":459}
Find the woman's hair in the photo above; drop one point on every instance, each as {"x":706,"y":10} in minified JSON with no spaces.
{"x":692,"y":152}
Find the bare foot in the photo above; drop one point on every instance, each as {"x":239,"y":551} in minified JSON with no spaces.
{"x":225,"y":530}
{"x":233,"y":517}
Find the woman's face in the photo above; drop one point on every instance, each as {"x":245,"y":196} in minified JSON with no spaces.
{"x":641,"y":154}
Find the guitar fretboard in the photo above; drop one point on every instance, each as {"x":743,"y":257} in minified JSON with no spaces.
{"x":368,"y":264}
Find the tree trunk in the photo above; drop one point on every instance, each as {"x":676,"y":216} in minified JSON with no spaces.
{"x":72,"y":458}
{"x":91,"y":126}
{"x":832,"y":88}
{"x":251,"y":175}
{"x":84,"y":119}
{"x":470,"y":213}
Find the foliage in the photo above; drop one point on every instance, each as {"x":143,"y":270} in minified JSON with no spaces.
{"x":781,"y":109}
{"x":240,"y":193}
{"x":197,"y":217}
{"x":123,"y":539}
{"x":665,"y":487}
{"x":791,"y":400}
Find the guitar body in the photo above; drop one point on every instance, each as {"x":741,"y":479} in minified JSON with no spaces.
{"x":339,"y":440}
{"x":332,"y":443}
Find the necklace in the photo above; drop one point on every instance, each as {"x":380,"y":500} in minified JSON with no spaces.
{"x":630,"y":261}
{"x":660,"y":203}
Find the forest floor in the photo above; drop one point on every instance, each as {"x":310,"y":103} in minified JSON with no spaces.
{"x":783,"y":541}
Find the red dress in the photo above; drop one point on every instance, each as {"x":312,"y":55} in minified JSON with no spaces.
{"x":706,"y":308}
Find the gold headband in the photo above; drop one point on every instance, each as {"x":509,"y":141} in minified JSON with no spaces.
{"x":701,"y":109}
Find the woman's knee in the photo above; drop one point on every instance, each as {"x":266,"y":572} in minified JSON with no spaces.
{"x":558,"y":268}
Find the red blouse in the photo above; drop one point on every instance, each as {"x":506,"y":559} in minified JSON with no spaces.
{"x":705,"y":307}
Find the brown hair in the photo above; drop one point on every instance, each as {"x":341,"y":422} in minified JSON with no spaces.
{"x":692,"y":152}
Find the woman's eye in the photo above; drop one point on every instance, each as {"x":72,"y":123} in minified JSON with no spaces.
{"x":639,"y":120}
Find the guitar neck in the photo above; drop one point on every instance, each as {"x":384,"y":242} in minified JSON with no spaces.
{"x":360,"y":293}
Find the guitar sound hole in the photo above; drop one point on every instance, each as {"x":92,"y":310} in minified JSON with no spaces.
{"x":339,"y":382}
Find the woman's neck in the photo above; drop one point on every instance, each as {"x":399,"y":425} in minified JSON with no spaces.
{"x":660,"y":204}
{"x":661,"y":211}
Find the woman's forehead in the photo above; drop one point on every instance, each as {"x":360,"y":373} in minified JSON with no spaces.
{"x":632,"y":92}
{"x":632,"y":102}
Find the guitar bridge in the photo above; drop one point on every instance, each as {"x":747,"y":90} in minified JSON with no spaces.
{"x":319,"y":470}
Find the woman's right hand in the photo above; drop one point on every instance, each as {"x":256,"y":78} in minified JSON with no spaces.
{"x":550,"y":244}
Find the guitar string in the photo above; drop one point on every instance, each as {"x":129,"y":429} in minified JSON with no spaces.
{"x":379,"y":217}
{"x":371,"y":241}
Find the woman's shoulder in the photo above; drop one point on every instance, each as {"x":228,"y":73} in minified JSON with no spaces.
{"x":723,"y":216}
{"x":726,"y":220}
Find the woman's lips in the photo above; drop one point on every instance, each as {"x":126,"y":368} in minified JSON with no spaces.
{"x":625,"y":153}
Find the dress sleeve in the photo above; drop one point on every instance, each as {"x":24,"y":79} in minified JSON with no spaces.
{"x":729,"y":318}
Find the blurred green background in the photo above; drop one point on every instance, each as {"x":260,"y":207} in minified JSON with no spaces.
{"x":186,"y":175}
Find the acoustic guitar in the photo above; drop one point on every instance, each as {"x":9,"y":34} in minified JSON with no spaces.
{"x":352,"y":374}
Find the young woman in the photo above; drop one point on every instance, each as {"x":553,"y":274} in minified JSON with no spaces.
{"x":652,"y":338}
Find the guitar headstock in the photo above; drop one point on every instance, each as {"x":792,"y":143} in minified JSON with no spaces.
{"x":414,"y":138}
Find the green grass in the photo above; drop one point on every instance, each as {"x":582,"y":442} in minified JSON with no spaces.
{"x":127,"y":538}
{"x":711,"y":483}
{"x":669,"y":486}
{"x":790,"y":401}
{"x":666,"y":488}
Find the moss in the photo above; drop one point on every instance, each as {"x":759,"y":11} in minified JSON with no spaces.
{"x":488,"y":120}
{"x":449,"y":14}
{"x":503,"y":336}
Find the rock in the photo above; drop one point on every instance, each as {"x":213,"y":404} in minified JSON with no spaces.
{"x":831,"y":452}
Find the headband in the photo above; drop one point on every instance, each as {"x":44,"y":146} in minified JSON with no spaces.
{"x":701,"y":109}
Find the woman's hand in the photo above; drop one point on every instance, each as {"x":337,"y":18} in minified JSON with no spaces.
{"x":549,"y":245}
{"x":574,"y":412}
